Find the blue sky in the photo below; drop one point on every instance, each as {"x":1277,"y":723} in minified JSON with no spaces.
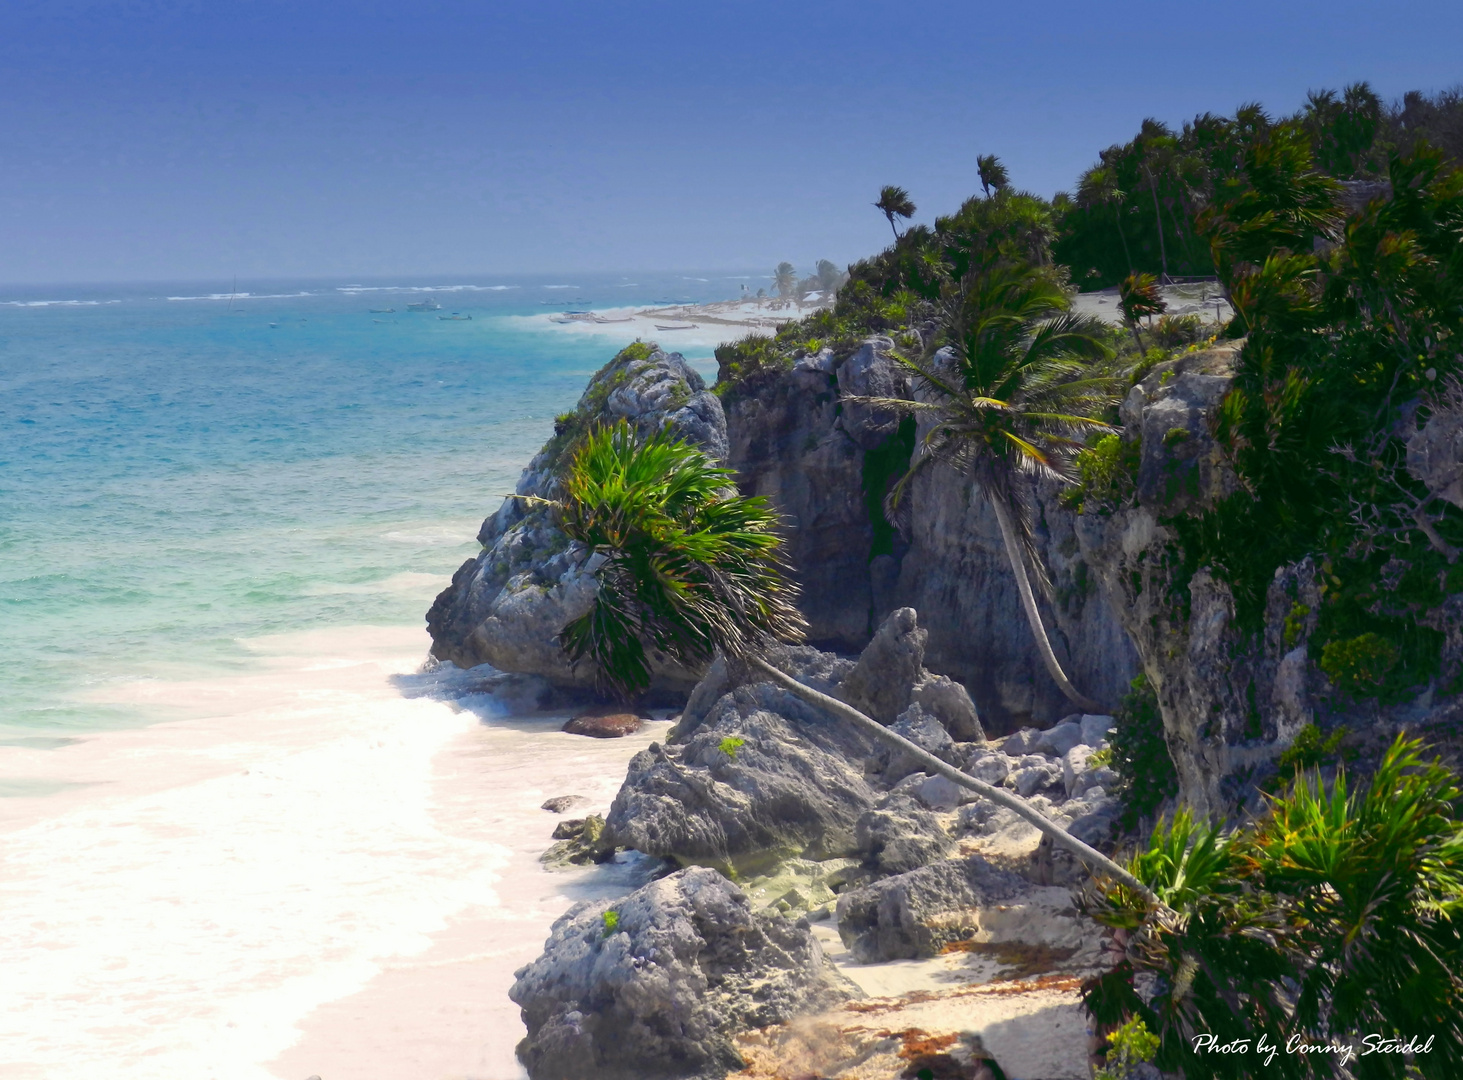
{"x":151,"y":139}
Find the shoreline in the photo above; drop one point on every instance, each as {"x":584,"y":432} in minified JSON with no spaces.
{"x":677,"y":327}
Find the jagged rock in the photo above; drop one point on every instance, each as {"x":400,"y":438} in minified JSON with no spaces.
{"x":1074,"y":769}
{"x":1058,"y":740}
{"x":1033,"y":778}
{"x":581,"y":841}
{"x":992,"y":766}
{"x":950,"y":703}
{"x":871,"y":372}
{"x":686,"y":964}
{"x":922,"y":729}
{"x":506,"y":606}
{"x":1021,"y":742}
{"x":890,"y":667}
{"x":920,"y":912}
{"x":559,"y":803}
{"x":900,"y":835}
{"x":1435,"y":455}
{"x":942,"y":793}
{"x":1095,"y":729}
{"x":792,"y":784}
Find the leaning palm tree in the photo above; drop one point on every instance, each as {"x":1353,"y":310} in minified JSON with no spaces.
{"x":1011,"y":399}
{"x":1099,"y":187}
{"x":1139,"y":296}
{"x":894,"y":202}
{"x":992,"y":173}
{"x":689,"y":567}
{"x":785,"y":279}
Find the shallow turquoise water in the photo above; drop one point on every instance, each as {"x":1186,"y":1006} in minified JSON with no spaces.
{"x":178,"y":476}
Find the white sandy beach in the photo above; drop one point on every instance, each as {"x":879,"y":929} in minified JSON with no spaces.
{"x":333,"y":871}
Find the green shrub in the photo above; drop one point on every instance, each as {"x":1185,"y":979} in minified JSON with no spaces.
{"x":1295,"y":623}
{"x":1359,"y":665}
{"x":1106,"y":473}
{"x":1130,"y":1046}
{"x":1338,"y":914}
{"x":611,"y":920}
{"x":730,"y":745}
{"x":1140,"y":755}
{"x":1310,"y":750}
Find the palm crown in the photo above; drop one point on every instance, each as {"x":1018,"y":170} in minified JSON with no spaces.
{"x":894,"y":202}
{"x":689,"y":565}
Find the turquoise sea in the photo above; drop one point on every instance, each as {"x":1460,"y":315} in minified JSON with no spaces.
{"x":245,"y":834}
{"x":185,"y":466}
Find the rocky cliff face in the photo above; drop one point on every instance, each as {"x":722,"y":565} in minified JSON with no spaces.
{"x":507,"y":606}
{"x":826,"y":463}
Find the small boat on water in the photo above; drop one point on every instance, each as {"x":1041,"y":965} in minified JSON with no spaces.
{"x":424,"y":305}
{"x":455,"y":317}
{"x":684,"y":326}
{"x":383,"y":311}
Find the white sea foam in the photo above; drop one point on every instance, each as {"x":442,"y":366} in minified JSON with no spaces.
{"x":201,"y":887}
{"x":243,"y":296}
{"x":423,"y":288}
{"x":57,"y":303}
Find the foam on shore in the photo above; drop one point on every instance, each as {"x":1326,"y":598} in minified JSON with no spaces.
{"x":197,"y":891}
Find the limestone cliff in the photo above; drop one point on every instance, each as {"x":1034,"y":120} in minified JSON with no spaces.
{"x":506,"y":606}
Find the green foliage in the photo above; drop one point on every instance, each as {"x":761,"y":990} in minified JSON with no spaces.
{"x":1130,"y":1046}
{"x":882,"y":468}
{"x":1106,"y":472}
{"x":1138,"y":296}
{"x":992,"y":173}
{"x":1098,"y":758}
{"x":1359,"y":665}
{"x":894,"y":202}
{"x":611,"y":921}
{"x":1334,"y":915}
{"x":1295,"y":623}
{"x":1175,"y":435}
{"x":636,"y":350}
{"x":1176,"y":331}
{"x":690,"y":566}
{"x":1311,"y":750}
{"x":730,"y":745}
{"x":1140,"y":755}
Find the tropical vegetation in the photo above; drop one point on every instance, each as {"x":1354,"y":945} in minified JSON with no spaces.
{"x":1334,"y":918}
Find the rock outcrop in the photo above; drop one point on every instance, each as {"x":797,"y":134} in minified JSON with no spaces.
{"x":506,"y":606}
{"x":826,"y":463}
{"x":654,"y":985}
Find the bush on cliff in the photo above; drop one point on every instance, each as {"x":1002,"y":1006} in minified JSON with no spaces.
{"x":1337,"y":915}
{"x":688,"y":565}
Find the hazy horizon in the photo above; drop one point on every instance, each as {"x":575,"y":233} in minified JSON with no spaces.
{"x":175,"y":141}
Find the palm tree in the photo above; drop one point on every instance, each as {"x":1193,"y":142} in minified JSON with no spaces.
{"x":829,"y":277}
{"x":1099,"y":187}
{"x":1138,"y":296}
{"x":690,"y":566}
{"x":785,"y":279}
{"x":1156,"y":147}
{"x":992,"y":173}
{"x":894,"y":202}
{"x":1013,"y":402}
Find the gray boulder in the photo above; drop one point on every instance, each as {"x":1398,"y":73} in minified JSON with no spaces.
{"x":1058,"y":740}
{"x":1095,"y":729}
{"x":762,"y":776}
{"x":657,"y":991}
{"x":900,"y":835}
{"x":890,"y":667}
{"x":922,"y":729}
{"x":918,"y":913}
{"x":871,"y":372}
{"x":991,"y":766}
{"x":506,"y":606}
{"x":950,"y":703}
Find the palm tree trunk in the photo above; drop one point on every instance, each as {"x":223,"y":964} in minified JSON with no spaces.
{"x":1028,"y":603}
{"x":1133,"y":326}
{"x":1124,"y":238}
{"x":1162,"y":250}
{"x":1090,"y":857}
{"x":892,"y":228}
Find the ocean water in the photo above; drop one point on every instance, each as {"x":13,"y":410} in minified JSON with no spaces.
{"x":227,"y":796}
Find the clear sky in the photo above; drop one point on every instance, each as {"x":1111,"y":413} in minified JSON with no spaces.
{"x":160,"y":139}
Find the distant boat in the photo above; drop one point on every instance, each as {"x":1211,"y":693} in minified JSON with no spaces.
{"x":686,"y":326}
{"x":383,"y":311}
{"x":425,"y":305}
{"x":454,"y":317}
{"x":602,"y":319}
